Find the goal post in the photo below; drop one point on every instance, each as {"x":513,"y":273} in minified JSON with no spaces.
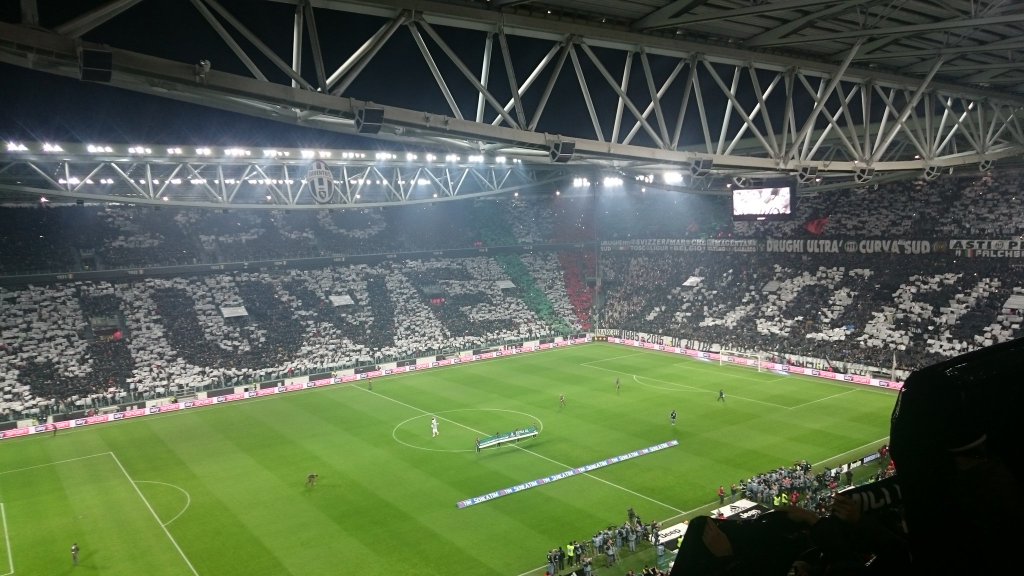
{"x":750,"y":360}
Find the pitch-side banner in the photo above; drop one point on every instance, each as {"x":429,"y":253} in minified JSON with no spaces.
{"x":286,"y":387}
{"x":753,"y":363}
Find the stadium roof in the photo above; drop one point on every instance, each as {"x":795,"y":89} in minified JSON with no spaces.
{"x":980,"y":42}
{"x":825,"y":89}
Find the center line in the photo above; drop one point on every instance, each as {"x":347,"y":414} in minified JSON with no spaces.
{"x":566,"y":466}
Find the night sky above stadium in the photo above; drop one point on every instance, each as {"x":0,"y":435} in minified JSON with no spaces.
{"x":41,"y":107}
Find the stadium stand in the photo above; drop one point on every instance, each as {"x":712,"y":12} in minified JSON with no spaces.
{"x":848,"y":310}
{"x":177,"y":335}
{"x":845,"y":309}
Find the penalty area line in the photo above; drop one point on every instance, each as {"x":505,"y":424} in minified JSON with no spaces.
{"x":52,"y":464}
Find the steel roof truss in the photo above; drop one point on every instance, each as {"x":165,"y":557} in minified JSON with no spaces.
{"x":288,"y":185}
{"x":255,"y":41}
{"x":511,"y":73}
{"x":730,"y":93}
{"x":434,"y":70}
{"x":360,"y":182}
{"x":847,"y":116}
{"x":487,"y":184}
{"x":298,"y":26}
{"x":626,"y":69}
{"x":238,"y":183}
{"x":820,"y":99}
{"x":831,"y":118}
{"x":56,"y":185}
{"x":958,"y":119}
{"x":998,"y":119}
{"x":797,"y":24}
{"x":88,"y":177}
{"x":655,"y":98}
{"x":650,"y":107}
{"x":230,"y":41}
{"x":358,"y":60}
{"x":788,"y":117}
{"x":203,"y":182}
{"x":314,"y":41}
{"x":891,"y":109}
{"x":566,"y":49}
{"x":277,"y":193}
{"x":465,"y":72}
{"x":625,"y":98}
{"x":762,"y":96}
{"x":901,"y":119}
{"x":526,"y":83}
{"x":76,"y":27}
{"x":386,"y":182}
{"x":900,"y":32}
{"x":586,"y":92}
{"x":657,"y":20}
{"x":125,"y":177}
{"x":485,"y":76}
{"x":167,"y":180}
{"x":865,"y":112}
{"x":458,"y":185}
{"x":946,"y":51}
{"x":345,"y":185}
{"x":687,"y":91}
{"x":700,"y":106}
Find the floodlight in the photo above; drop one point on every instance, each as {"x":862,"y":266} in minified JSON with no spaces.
{"x":672,"y":178}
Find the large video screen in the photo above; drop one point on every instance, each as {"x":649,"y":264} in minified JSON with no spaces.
{"x":772,"y":202}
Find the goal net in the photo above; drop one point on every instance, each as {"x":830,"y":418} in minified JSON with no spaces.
{"x":742,"y":359}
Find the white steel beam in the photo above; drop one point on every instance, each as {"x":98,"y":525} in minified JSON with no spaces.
{"x":76,"y":27}
{"x":238,"y":51}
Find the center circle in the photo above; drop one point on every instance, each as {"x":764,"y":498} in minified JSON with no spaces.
{"x":416,"y":433}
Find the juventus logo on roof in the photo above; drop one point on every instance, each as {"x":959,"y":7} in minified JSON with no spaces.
{"x":321,"y":182}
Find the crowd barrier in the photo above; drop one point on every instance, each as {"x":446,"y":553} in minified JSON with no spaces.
{"x":754,"y":363}
{"x":282,"y":389}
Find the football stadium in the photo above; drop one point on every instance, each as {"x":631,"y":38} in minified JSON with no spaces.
{"x":510,"y":287}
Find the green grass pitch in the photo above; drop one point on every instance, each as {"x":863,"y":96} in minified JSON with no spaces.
{"x":221,"y":491}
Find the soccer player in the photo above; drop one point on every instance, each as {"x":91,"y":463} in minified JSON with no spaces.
{"x":721,"y":395}
{"x":561,"y":400}
{"x":311,"y":480}
{"x":433,"y":427}
{"x":618,"y":386}
{"x":672,"y":417}
{"x":74,"y":554}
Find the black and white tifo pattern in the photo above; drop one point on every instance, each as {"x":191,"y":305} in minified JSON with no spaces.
{"x":321,"y":182}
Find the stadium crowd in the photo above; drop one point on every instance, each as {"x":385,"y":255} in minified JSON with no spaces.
{"x":606,"y":548}
{"x":853,"y":312}
{"x":845,"y":310}
{"x":180,"y":335}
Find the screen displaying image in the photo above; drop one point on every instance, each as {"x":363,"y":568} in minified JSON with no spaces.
{"x":762,"y":203}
